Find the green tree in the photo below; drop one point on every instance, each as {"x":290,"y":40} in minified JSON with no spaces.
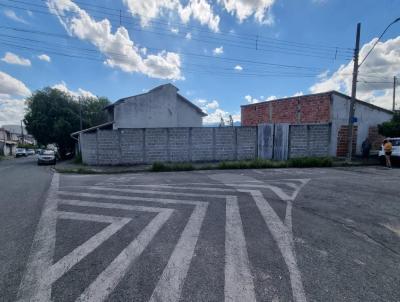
{"x":52,"y":115}
{"x":391,"y":128}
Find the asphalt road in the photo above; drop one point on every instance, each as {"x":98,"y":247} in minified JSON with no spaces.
{"x":23,"y":188}
{"x":243,"y":235}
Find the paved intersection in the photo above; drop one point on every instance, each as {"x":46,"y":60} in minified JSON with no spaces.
{"x":214,"y":236}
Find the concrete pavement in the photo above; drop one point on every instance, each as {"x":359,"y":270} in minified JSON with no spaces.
{"x":244,"y":235}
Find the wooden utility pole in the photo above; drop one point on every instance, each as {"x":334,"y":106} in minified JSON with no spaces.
{"x":394,"y":93}
{"x":353,"y":95}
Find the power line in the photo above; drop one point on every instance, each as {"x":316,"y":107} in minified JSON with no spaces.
{"x":228,"y":59}
{"x":244,"y":36}
{"x":321,"y":50}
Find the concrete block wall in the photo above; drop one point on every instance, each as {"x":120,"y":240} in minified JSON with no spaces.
{"x":309,"y":140}
{"x":138,"y":146}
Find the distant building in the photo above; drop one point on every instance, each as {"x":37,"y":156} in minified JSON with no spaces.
{"x":161,"y":107}
{"x":323,"y":108}
{"x":8,"y":142}
{"x":20,"y":135}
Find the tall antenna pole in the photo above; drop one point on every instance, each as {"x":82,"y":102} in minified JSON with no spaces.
{"x":394,"y":93}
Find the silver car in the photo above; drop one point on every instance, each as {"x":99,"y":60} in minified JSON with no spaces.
{"x":46,"y":157}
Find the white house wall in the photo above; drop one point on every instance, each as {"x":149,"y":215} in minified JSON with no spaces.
{"x":154,"y":109}
{"x":366,"y":117}
{"x":187,"y":116}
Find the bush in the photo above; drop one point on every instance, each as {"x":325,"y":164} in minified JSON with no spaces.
{"x":252,"y":164}
{"x":78,"y":158}
{"x":308,"y":162}
{"x":161,"y":167}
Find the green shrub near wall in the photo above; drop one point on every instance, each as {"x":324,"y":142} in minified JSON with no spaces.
{"x":302,"y":162}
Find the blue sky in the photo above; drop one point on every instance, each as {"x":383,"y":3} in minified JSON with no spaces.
{"x":221,"y":54}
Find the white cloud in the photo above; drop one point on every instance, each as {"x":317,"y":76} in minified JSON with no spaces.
{"x":62,"y":86}
{"x":12,"y":58}
{"x":11,"y":110}
{"x":44,"y":57}
{"x":188,"y":36}
{"x":120,"y":51}
{"x":175,"y":30}
{"x":12,"y":102}
{"x":261,"y":9}
{"x":238,"y":68}
{"x":214,"y":112}
{"x":13,"y":16}
{"x":199,"y":10}
{"x":381,"y":65}
{"x":252,"y":100}
{"x":10,"y":86}
{"x":218,"y":51}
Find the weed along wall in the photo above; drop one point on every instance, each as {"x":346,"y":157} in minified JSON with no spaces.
{"x":146,"y":146}
{"x":139,"y":146}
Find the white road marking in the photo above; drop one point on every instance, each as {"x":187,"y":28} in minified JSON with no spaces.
{"x":88,"y":217}
{"x":32,"y":287}
{"x":238,"y":278}
{"x":67,"y":262}
{"x":107,"y":205}
{"x":174,"y":187}
{"x":176,"y":194}
{"x":105,"y":283}
{"x":282,"y":237}
{"x":170,"y":285}
{"x":131,"y":198}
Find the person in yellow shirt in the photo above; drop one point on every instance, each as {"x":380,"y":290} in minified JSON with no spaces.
{"x":387,"y":147}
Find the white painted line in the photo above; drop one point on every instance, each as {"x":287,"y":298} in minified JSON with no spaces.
{"x":277,"y":190}
{"x":175,"y":187}
{"x":88,"y":217}
{"x":106,"y":282}
{"x":106,"y":205}
{"x":66,"y":263}
{"x":239,"y":284}
{"x":131,"y":198}
{"x":176,"y":194}
{"x":282,"y":237}
{"x":169,"y":286}
{"x":32,"y":287}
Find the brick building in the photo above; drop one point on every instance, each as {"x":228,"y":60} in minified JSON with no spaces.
{"x":330,"y":107}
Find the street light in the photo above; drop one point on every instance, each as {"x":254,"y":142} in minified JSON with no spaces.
{"x":354,"y":84}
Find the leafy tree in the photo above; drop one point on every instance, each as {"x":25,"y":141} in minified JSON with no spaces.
{"x":391,"y":128}
{"x":53,"y":115}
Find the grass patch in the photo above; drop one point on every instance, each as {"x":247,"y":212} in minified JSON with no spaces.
{"x":252,"y":164}
{"x":161,"y":167}
{"x":310,"y":162}
{"x":77,"y":159}
{"x":303,"y":162}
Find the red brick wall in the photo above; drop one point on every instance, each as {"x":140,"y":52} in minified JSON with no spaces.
{"x":341,"y":149}
{"x":375,"y":138}
{"x":297,"y":110}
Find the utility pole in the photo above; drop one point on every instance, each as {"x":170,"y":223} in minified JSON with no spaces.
{"x":80,"y":114}
{"x":394,"y":93}
{"x":353,"y":95}
{"x":22,"y":134}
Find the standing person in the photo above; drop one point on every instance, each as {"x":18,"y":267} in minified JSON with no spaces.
{"x":366,"y":148}
{"x":387,"y":147}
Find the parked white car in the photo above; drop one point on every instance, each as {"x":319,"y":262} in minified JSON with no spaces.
{"x":20,"y":152}
{"x":30,"y":152}
{"x":395,"y":150}
{"x":46,"y":157}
